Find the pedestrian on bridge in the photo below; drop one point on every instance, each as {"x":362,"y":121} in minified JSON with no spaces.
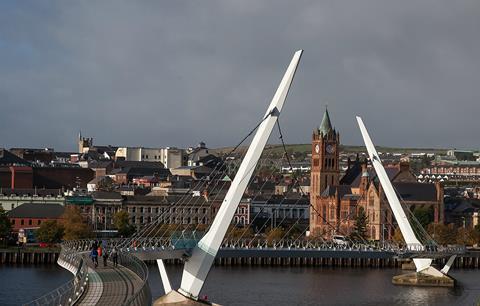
{"x":105,"y":257}
{"x":94,"y":256}
{"x":115,"y":257}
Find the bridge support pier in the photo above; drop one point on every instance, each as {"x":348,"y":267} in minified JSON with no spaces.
{"x":430,"y":277}
{"x":177,"y":299}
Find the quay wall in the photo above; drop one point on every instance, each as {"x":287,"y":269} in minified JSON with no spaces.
{"x":34,"y":256}
{"x":471,"y":260}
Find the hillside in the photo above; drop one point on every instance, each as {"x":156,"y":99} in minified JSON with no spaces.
{"x":306,"y":148}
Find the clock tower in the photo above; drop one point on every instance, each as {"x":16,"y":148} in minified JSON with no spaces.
{"x":325,"y":157}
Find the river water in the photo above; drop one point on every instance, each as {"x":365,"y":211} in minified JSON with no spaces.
{"x":268,"y":286}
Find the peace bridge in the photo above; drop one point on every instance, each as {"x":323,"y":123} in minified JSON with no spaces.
{"x":127,"y":283}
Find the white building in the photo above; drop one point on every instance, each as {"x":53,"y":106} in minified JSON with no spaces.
{"x":170,"y":157}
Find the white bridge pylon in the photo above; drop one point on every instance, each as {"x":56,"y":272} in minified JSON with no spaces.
{"x":198,"y":265}
{"x":423,"y":265}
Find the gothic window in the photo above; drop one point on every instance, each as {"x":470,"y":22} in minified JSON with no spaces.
{"x":324,"y":213}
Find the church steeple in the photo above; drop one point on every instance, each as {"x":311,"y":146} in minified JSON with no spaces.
{"x":326,"y":125}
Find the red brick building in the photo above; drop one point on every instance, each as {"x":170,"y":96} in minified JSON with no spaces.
{"x":31,"y":215}
{"x":335,"y":201}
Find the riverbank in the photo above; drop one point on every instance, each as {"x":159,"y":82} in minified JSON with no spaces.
{"x":471,"y":260}
{"x":30,"y":255}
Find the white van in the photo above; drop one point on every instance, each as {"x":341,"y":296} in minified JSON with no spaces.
{"x":340,"y":240}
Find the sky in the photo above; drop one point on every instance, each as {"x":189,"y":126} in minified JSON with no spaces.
{"x":174,"y":73}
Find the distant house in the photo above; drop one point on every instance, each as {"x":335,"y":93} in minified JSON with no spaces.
{"x":170,"y":157}
{"x":30,"y":215}
{"x":126,"y":171}
{"x":196,"y":172}
{"x":195,"y":155}
{"x":12,"y":198}
{"x":99,"y":180}
{"x":9,"y":159}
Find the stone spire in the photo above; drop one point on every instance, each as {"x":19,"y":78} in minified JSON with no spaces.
{"x":326,"y":125}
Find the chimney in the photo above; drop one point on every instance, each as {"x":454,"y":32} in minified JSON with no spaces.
{"x":404,"y":165}
{"x":439,"y":209}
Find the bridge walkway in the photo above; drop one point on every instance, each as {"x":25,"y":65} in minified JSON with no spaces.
{"x":109,"y":285}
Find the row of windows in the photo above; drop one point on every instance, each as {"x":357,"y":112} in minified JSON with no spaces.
{"x":241,"y":220}
{"x":154,"y":157}
{"x":329,"y":163}
{"x":171,"y":220}
{"x":22,"y":222}
{"x":165,"y":209}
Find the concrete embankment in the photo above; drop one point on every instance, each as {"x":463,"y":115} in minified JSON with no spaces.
{"x":29,"y":256}
{"x":471,"y":260}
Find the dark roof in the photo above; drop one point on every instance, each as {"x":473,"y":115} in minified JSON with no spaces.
{"x":104,"y":195}
{"x":31,"y":192}
{"x":9,"y":159}
{"x":332,"y":190}
{"x":138,"y":164}
{"x":63,"y":154}
{"x":416,"y":191}
{"x":183,"y":200}
{"x":352,"y":175}
{"x":99,"y":163}
{"x":139,"y":172}
{"x":209,"y":160}
{"x":391,"y":173}
{"x":41,"y":211}
{"x":326,"y":125}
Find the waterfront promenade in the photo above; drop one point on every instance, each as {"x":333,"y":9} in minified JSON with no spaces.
{"x":109,"y":285}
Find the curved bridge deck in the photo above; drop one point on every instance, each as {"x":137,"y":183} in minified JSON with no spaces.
{"x":109,"y":285}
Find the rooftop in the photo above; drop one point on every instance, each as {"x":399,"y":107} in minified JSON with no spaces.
{"x":40,"y":211}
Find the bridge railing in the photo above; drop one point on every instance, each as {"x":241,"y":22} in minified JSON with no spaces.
{"x":71,"y":258}
{"x":308,"y":244}
{"x":186,"y":241}
{"x":432,"y":250}
{"x":71,"y":291}
{"x":142,"y":296}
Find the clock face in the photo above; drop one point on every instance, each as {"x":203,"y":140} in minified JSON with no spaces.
{"x":330,"y":149}
{"x":317,"y":148}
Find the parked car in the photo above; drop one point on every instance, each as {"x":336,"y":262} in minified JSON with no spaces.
{"x":340,"y":240}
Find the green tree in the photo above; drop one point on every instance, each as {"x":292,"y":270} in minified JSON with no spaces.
{"x":274,"y":234}
{"x":360,"y":226}
{"x":235,"y":232}
{"x":50,"y":231}
{"x":442,"y":234}
{"x":106,"y":184}
{"x":398,"y":237}
{"x":74,"y":225}
{"x":5,"y":225}
{"x":424,"y":215}
{"x":121,"y":220}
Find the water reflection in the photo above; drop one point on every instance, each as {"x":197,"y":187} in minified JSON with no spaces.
{"x":327,"y":286}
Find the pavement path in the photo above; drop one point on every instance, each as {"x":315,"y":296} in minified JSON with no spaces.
{"x":109,"y":285}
